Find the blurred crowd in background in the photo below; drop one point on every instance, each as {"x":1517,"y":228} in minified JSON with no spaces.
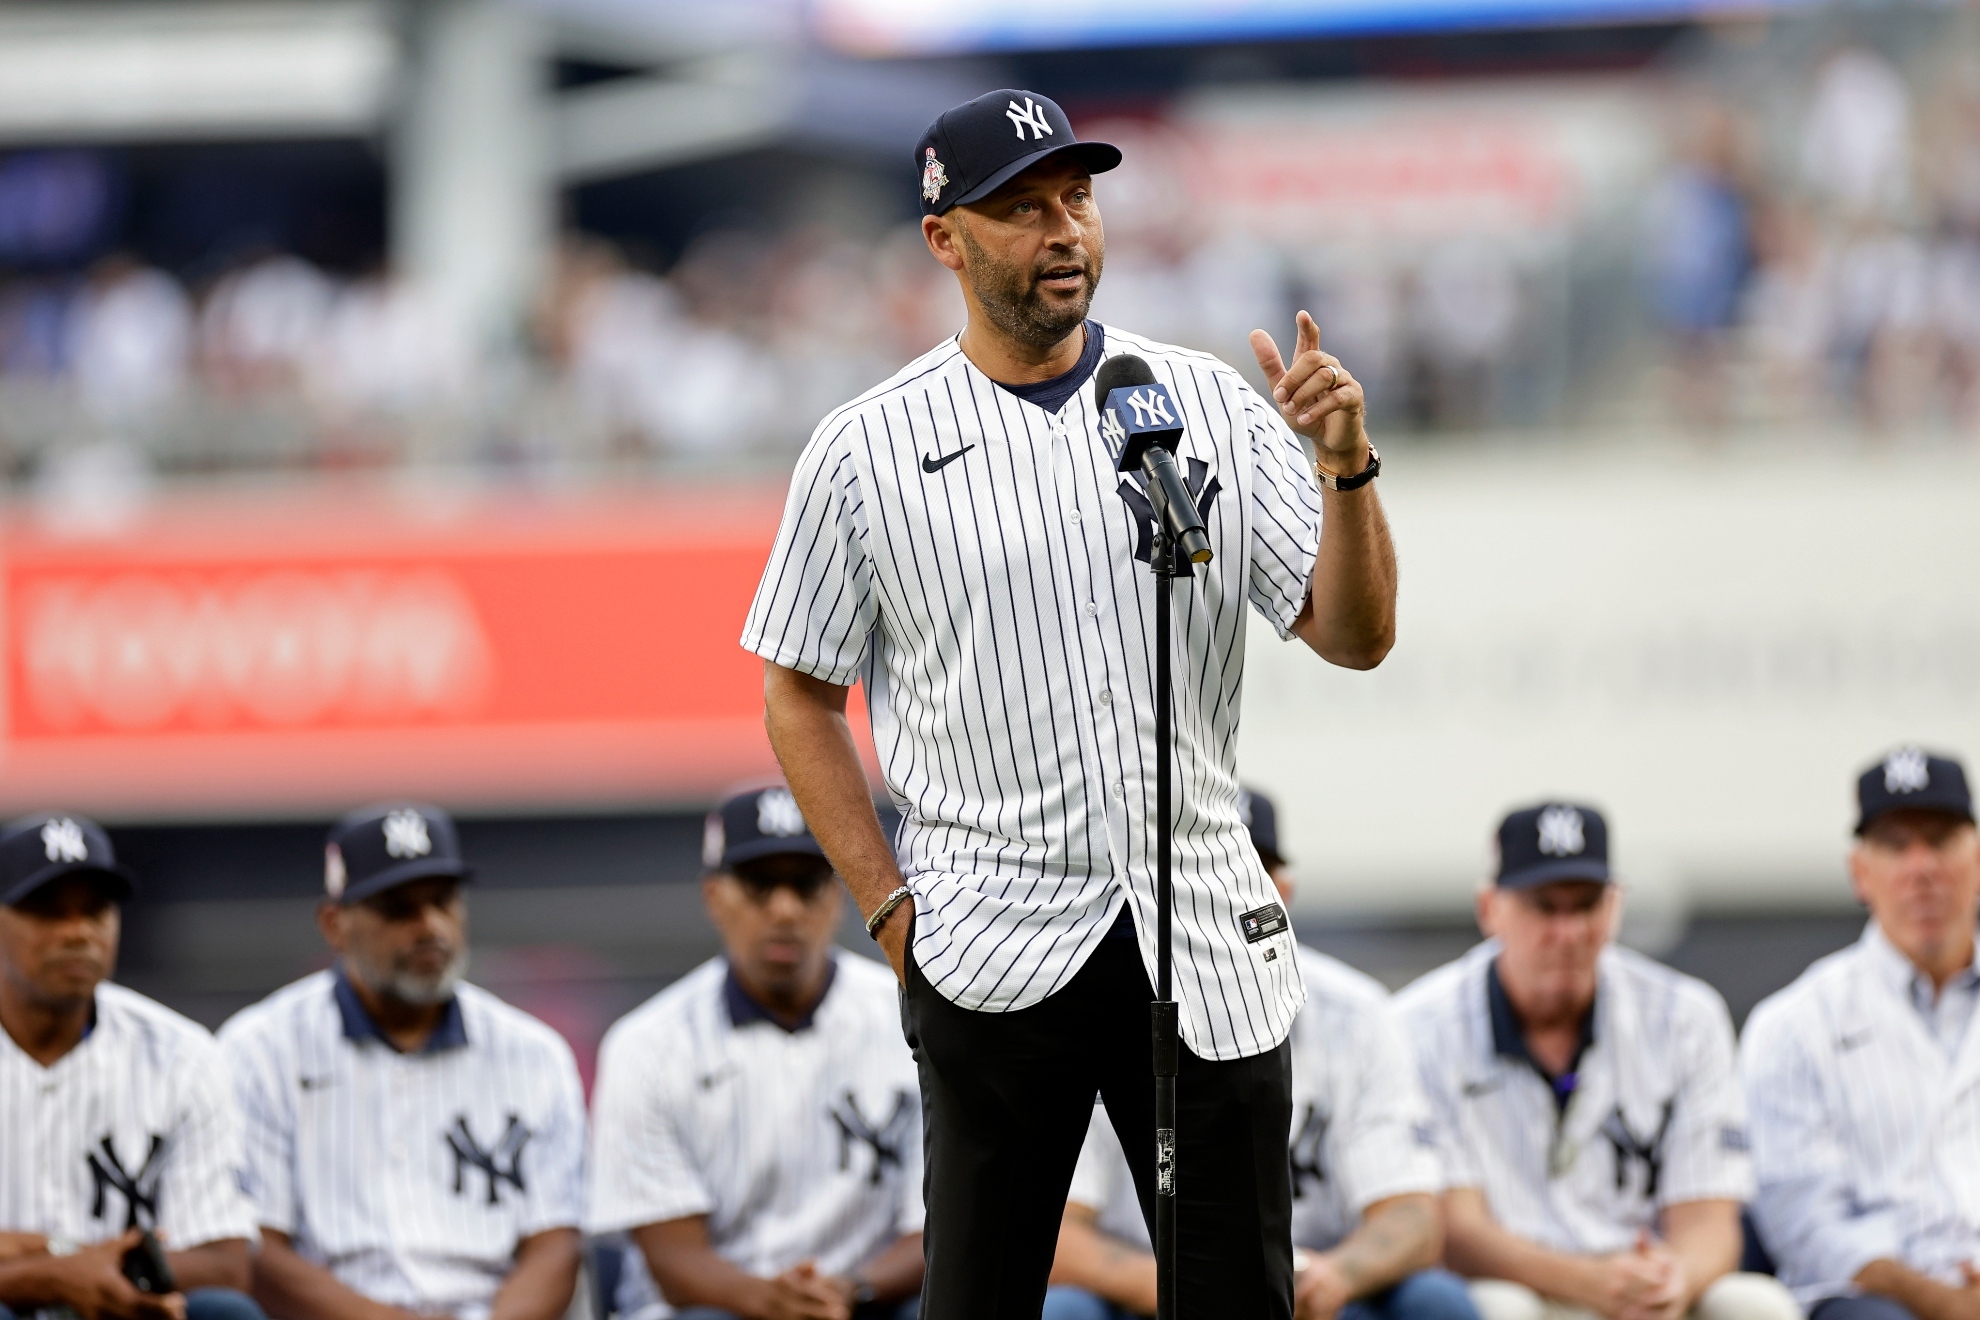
{"x":1806,"y":250}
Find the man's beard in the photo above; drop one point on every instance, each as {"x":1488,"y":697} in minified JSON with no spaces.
{"x":410,"y":987}
{"x":1011,"y":299}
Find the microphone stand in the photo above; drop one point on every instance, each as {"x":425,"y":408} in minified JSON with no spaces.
{"x":1162,"y":560}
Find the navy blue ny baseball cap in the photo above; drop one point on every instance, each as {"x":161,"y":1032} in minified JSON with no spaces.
{"x":1552,"y":841}
{"x":764,"y":822}
{"x":390,"y":843}
{"x":1262,"y":818}
{"x":38,"y":850}
{"x":1911,"y":777}
{"x":970,"y":151}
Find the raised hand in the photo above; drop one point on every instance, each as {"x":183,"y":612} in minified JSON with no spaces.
{"x":1316,"y":396}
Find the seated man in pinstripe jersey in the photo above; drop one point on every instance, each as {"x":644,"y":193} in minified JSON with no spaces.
{"x":415,"y":1146}
{"x":1864,"y":1075}
{"x":115,"y":1115}
{"x":758,"y":1132}
{"x":1592,"y":1127}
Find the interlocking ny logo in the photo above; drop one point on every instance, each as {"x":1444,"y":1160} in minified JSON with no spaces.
{"x":886,"y":1141}
{"x":1031,"y":117}
{"x":405,"y":834}
{"x":1561,"y":833}
{"x":1631,"y":1149}
{"x":1905,"y":771}
{"x":502,"y":1164}
{"x":1307,"y":1165}
{"x":1150,"y":407}
{"x":777,"y":814}
{"x":139,"y":1190}
{"x":1112,"y":431}
{"x":62,"y":840}
{"x":1204,"y":487}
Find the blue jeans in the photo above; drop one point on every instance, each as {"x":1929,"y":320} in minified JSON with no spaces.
{"x":1864,"y":1306}
{"x":1426,"y":1295}
{"x":908,"y":1310}
{"x":1064,"y":1303}
{"x":206,"y":1304}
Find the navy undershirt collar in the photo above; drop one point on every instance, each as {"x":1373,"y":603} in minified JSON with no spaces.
{"x":744,"y":1009}
{"x":1051,"y":395}
{"x":1509,"y":1041}
{"x":358,"y":1024}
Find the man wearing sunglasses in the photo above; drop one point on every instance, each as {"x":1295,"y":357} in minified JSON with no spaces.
{"x":1862,"y":1075}
{"x":757,"y":1125}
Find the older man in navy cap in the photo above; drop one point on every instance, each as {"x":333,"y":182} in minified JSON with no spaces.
{"x":115,"y":1117}
{"x":415,"y":1145}
{"x":1588,"y":1112}
{"x":758,"y":1130}
{"x":1862,"y":1075}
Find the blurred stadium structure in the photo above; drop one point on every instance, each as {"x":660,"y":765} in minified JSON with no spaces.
{"x":396,"y":398}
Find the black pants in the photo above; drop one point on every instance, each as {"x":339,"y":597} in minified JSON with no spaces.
{"x":1007,"y":1098}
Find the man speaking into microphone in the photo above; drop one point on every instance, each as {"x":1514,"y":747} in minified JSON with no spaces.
{"x":959,"y":539}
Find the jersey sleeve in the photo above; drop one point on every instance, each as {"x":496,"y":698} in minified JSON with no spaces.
{"x":1285,"y":517}
{"x":202,"y":1198}
{"x":268,"y":1126}
{"x":555,"y":1195}
{"x":815,"y":608}
{"x":1438,"y":1073}
{"x":1705,"y":1150}
{"x":1382,"y":1140}
{"x":642,"y":1172}
{"x":1806,"y":1206}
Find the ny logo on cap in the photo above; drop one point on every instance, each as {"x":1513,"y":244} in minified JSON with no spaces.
{"x":1150,"y":407}
{"x":405,"y":834}
{"x":777,"y":814}
{"x":1561,"y":833}
{"x":62,"y":840}
{"x":1905,"y":771}
{"x":1032,"y":116}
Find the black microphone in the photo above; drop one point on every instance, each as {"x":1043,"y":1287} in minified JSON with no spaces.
{"x":1142,"y":427}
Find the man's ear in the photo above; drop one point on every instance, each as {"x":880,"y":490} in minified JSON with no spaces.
{"x":1483,"y":908}
{"x":942,"y":241}
{"x":330,"y":921}
{"x":1856,"y":869}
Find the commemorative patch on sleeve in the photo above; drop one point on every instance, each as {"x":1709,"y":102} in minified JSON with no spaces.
{"x":1263,"y":923}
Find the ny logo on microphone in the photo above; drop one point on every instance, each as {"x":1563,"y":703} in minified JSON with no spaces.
{"x":1151,"y":408}
{"x":503,"y":1164}
{"x":1113,"y":433}
{"x":1203,"y":488}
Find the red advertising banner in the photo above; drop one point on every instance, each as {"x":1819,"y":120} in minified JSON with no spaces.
{"x":253,"y":653}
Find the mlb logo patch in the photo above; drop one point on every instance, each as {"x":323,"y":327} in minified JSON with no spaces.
{"x":1263,"y":923}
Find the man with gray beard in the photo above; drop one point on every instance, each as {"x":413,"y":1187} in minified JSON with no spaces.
{"x":415,"y":1146}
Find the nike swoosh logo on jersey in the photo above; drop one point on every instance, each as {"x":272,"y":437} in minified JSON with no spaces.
{"x":930,"y":463}
{"x":314,"y":1083}
{"x":1844,"y":1044}
{"x":715,"y":1077}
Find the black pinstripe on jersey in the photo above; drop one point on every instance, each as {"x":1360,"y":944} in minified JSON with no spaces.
{"x":998,"y":618}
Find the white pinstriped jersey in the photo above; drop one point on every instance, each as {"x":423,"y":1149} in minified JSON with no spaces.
{"x":410,"y":1177}
{"x":1361,"y":1129}
{"x":996,"y":612}
{"x":1657,"y":1118}
{"x":796,"y":1145}
{"x":1866,"y":1133}
{"x":134,"y":1127}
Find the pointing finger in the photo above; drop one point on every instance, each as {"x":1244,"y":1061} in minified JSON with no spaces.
{"x":1267,"y":352}
{"x":1309,"y":334}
